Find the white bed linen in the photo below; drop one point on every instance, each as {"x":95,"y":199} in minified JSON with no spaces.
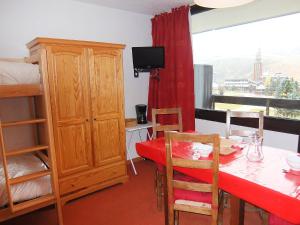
{"x":18,"y":73}
{"x":19,"y":166}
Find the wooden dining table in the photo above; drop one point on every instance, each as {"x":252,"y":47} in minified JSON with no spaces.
{"x":268,"y":184}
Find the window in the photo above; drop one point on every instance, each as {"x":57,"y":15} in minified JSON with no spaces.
{"x":250,"y":67}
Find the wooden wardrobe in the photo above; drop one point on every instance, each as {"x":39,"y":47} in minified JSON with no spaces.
{"x":87,"y":103}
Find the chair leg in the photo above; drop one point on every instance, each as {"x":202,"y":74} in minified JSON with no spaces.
{"x":156,"y":180}
{"x":221,"y":208}
{"x":159,"y":189}
{"x":171,"y":215}
{"x":166,"y":202}
{"x":265,"y":217}
{"x":176,"y":217}
{"x":226,"y":197}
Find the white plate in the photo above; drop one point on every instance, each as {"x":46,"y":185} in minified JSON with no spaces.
{"x":203,"y":150}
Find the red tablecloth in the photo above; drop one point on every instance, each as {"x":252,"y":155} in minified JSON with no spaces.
{"x":263,"y":184}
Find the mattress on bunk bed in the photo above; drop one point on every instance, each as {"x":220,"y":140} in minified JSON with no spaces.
{"x":19,"y":166}
{"x":18,"y":73}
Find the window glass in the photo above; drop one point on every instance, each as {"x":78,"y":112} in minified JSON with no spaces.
{"x":257,"y":60}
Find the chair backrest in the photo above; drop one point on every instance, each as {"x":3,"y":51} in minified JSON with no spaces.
{"x":212,"y":164}
{"x":243,"y":133}
{"x":166,"y":127}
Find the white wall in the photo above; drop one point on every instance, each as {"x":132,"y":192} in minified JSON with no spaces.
{"x":257,"y":10}
{"x":271,"y":138}
{"x":23,"y":20}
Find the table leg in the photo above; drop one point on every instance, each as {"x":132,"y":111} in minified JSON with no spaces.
{"x":237,"y":207}
{"x":148,"y":134}
{"x":141,"y":140}
{"x":129,"y":154}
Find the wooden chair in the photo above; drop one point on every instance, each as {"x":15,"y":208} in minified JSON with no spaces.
{"x":166,"y":127}
{"x":189,"y":204}
{"x":244,"y":133}
{"x":157,"y":127}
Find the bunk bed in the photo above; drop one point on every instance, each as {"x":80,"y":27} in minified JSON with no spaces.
{"x":28,"y":176}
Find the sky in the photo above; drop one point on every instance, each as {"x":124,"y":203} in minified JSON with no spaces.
{"x":276,"y":36}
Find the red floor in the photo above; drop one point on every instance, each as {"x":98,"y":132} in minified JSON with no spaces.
{"x":133,"y":203}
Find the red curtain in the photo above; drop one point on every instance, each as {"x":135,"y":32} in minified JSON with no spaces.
{"x":175,"y":86}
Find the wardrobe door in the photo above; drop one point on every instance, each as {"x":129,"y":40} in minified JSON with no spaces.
{"x":69,"y":94}
{"x":106,"y":79}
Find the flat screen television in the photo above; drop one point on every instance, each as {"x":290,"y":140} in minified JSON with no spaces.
{"x":145,"y":58}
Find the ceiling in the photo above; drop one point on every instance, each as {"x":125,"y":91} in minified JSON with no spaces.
{"x":150,"y":7}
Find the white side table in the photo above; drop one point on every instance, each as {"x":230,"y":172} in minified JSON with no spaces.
{"x":131,"y":131}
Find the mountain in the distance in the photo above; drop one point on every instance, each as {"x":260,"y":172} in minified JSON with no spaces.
{"x":242,"y":67}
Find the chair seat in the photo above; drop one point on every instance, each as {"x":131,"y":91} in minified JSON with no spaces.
{"x":274,"y":220}
{"x":195,"y":196}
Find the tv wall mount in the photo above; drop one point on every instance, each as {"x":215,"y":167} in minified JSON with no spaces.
{"x":153,"y":75}
{"x":137,"y":71}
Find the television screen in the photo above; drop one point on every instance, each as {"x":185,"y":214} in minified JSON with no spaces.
{"x":148,"y":57}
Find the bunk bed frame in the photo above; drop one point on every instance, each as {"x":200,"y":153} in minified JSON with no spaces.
{"x":39,"y":97}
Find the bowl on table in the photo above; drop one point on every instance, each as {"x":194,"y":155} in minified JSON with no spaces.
{"x":294,"y":162}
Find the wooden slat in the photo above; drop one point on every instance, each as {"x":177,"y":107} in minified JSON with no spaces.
{"x":193,"y":209}
{"x":167,"y":111}
{"x":187,"y":163}
{"x":6,"y":213}
{"x":194,"y":137}
{"x":22,"y":122}
{"x":31,"y":203}
{"x":192,"y":186}
{"x":26,"y":150}
{"x":20,"y":90}
{"x":167,"y":127}
{"x":29,"y":177}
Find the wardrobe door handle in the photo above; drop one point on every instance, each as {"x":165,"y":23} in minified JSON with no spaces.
{"x":87,"y":120}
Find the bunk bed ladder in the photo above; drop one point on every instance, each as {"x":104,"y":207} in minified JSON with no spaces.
{"x":48,"y":159}
{"x":5,"y":168}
